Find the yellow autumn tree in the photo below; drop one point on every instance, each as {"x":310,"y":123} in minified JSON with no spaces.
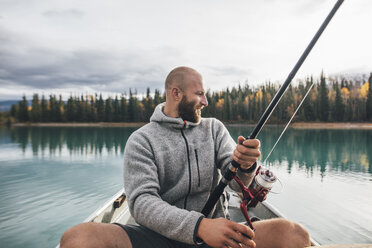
{"x":259,"y":95}
{"x":220,"y":103}
{"x":364,"y":90}
{"x":345,"y":93}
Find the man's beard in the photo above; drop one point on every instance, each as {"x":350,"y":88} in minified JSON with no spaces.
{"x":187,"y":110}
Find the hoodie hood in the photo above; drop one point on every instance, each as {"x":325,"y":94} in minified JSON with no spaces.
{"x":179,"y":123}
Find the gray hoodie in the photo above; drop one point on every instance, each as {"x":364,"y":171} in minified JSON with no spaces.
{"x":170,"y":169}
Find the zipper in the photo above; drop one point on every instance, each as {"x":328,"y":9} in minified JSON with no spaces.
{"x":188,"y":160}
{"x":197,"y":166}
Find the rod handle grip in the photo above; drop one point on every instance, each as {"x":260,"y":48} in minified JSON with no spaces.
{"x":237,"y":165}
{"x":250,"y":169}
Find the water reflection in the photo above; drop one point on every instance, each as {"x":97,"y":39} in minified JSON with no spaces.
{"x":338,"y":150}
{"x":61,"y":180}
{"x":83,"y":140}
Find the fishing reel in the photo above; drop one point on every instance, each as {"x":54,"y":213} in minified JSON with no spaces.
{"x":257,"y":191}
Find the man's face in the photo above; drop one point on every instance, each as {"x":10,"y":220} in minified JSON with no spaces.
{"x":193,"y":100}
{"x":189,"y":111}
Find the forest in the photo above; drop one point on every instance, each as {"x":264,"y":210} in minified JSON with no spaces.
{"x":330,"y":100}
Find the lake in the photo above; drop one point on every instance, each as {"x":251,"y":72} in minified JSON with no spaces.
{"x":52,"y":178}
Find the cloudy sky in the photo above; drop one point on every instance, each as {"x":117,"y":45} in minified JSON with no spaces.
{"x":73,"y":47}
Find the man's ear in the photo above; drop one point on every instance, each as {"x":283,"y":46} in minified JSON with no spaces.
{"x":176,"y":93}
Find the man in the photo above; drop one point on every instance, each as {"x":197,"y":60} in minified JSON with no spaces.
{"x":171,"y":165}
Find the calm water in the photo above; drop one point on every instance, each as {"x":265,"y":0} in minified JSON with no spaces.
{"x":53,"y":178}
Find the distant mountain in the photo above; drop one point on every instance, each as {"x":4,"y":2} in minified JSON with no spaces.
{"x":6,"y":105}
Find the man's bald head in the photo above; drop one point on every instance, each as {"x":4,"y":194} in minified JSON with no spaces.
{"x":179,"y":77}
{"x":185,"y":94}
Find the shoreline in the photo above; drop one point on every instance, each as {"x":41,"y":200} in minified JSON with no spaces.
{"x":332,"y":125}
{"x":81,"y":124}
{"x":297,"y":125}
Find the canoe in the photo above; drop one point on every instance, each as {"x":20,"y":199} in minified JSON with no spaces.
{"x":116,"y":210}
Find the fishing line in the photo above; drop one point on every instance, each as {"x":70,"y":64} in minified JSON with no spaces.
{"x":234,"y":166}
{"x":285,"y":128}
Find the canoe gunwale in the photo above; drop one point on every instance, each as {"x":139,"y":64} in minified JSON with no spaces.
{"x":104,"y":207}
{"x":108,"y":206}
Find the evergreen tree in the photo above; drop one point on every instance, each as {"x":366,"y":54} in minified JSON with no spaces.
{"x":133,"y":110}
{"x":78,"y":109}
{"x":148,"y":105}
{"x":233,"y":102}
{"x":302,"y":91}
{"x":268,"y":93}
{"x":247,"y":110}
{"x":60,"y":115}
{"x":131,"y":106}
{"x":351,"y":101}
{"x":116,"y":107}
{"x":88,"y":106}
{"x":157,"y":98}
{"x":82,"y":109}
{"x":227,"y":108}
{"x":100,"y":109}
{"x":23,"y":115}
{"x":339,"y":106}
{"x":369,"y":100}
{"x":109,"y":110}
{"x":71,"y":109}
{"x":14,"y":110}
{"x":343,"y":84}
{"x":44,"y":109}
{"x":54,"y":109}
{"x":349,"y":110}
{"x":289,"y":103}
{"x":323,"y":99}
{"x":308,"y":107}
{"x":36,"y":109}
{"x":210,"y":110}
{"x":239,"y":104}
{"x":123,"y":108}
{"x":93,"y":107}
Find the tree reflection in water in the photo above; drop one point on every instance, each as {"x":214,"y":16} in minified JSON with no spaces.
{"x":81,"y":140}
{"x":337,"y":150}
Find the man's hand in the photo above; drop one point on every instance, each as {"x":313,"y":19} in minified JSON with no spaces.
{"x":246,"y":152}
{"x":225,"y":233}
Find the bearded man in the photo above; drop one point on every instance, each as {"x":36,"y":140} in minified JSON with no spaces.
{"x":171,"y":166}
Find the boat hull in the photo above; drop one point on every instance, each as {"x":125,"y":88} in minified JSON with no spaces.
{"x":111,"y":213}
{"x":116,"y":210}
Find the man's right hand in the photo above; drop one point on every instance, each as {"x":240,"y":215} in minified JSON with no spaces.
{"x":225,"y":233}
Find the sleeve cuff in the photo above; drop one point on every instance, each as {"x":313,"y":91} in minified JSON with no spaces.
{"x":197,"y":240}
{"x":250,"y":169}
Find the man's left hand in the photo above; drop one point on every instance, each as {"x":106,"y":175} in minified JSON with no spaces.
{"x":246,"y":152}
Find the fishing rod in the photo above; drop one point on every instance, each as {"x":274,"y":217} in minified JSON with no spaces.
{"x":289,"y":122}
{"x":264,"y":180}
{"x":234,"y":166}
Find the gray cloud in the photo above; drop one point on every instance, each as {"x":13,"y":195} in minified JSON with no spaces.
{"x":100,"y":70}
{"x":221,"y":77}
{"x":63,"y":47}
{"x":228,"y":70}
{"x":75,"y":13}
{"x":308,"y":7}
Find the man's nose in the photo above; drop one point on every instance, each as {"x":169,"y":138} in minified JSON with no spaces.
{"x":204,"y":101}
